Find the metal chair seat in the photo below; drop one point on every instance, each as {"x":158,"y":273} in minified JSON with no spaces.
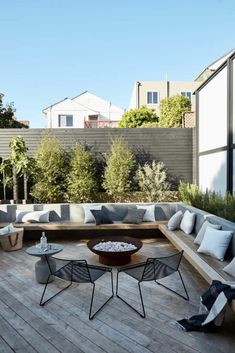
{"x":78,"y":271}
{"x":152,"y":270}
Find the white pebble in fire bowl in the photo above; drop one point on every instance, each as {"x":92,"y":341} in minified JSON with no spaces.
{"x":114,"y":246}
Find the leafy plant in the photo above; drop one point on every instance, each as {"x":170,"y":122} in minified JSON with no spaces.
{"x":209,"y":201}
{"x":120,"y":162}
{"x":7,"y":119}
{"x":138,"y":117}
{"x":153,"y":180}
{"x":171,"y":109}
{"x":51,"y":169}
{"x":81,"y":181}
{"x":21,"y":164}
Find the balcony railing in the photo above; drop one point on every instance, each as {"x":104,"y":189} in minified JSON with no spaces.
{"x":100,"y":124}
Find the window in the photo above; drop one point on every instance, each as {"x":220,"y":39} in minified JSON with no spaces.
{"x":65,"y":120}
{"x":152,"y":97}
{"x":93,"y":117}
{"x":187,"y":94}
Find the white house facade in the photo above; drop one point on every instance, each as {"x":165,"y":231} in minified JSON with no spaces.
{"x":83,"y":111}
{"x":215,"y":123}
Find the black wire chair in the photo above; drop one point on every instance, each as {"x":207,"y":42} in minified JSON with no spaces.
{"x":78,"y":271}
{"x":152,"y":270}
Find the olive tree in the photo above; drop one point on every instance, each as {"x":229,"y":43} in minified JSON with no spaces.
{"x":81,"y":178}
{"x":51,"y":169}
{"x":119,"y":165}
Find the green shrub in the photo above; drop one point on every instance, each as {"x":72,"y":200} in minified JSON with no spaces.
{"x":119,"y":164}
{"x":153,"y":180}
{"x":209,"y":201}
{"x":81,"y":181}
{"x":171,"y":109}
{"x":51,"y":167}
{"x":138,"y":117}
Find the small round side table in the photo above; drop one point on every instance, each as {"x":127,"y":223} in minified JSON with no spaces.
{"x":42,"y":269}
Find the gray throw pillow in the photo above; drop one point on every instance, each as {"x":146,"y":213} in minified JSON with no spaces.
{"x":101,"y":216}
{"x":230,"y":268}
{"x":134,"y":216}
{"x":201,"y":233}
{"x":89,"y":218}
{"x":188,"y":221}
{"x":175,"y":220}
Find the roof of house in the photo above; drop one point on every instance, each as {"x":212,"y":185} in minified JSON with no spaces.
{"x":215,"y":67}
{"x":216,"y":64}
{"x":73,"y":99}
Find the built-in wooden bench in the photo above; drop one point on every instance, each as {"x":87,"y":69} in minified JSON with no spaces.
{"x":82,"y":226}
{"x":209,"y":268}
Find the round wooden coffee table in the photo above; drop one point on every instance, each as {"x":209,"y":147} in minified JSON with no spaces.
{"x":115,"y":258}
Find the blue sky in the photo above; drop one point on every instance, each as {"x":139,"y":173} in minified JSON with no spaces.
{"x":52,"y":49}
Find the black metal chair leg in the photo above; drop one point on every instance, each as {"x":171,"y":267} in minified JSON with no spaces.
{"x":173,"y":291}
{"x":142,"y":314}
{"x":91,"y":316}
{"x":53,"y":296}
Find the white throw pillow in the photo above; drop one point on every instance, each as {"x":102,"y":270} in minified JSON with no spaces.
{"x":215,"y":243}
{"x":149,"y":215}
{"x":36,"y":217}
{"x":20,"y":214}
{"x":89,"y":218}
{"x":188,"y":222}
{"x":230,"y":268}
{"x":201,"y":233}
{"x":175,"y":220}
{"x":9,"y":229}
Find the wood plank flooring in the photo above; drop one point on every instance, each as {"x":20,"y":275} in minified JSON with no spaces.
{"x":63,"y":324}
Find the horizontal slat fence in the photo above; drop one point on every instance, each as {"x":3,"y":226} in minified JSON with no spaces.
{"x":174,"y":147}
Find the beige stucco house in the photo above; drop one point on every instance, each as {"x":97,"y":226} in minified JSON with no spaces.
{"x":150,"y":93}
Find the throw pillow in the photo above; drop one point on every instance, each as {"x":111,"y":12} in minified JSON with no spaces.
{"x":134,"y":216}
{"x":6,"y":230}
{"x":175,"y":220}
{"x":230,"y":268}
{"x":19,"y":215}
{"x":188,"y":221}
{"x":89,"y":218}
{"x":149,"y":215}
{"x":101,"y":216}
{"x":201,"y":233}
{"x":215,"y":243}
{"x":36,"y":217}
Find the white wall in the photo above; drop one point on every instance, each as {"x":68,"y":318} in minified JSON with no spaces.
{"x":213,"y":172}
{"x":213,"y":113}
{"x":67,"y":107}
{"x":107,"y":110}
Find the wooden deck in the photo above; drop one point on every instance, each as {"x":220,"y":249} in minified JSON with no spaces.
{"x":63,"y":325}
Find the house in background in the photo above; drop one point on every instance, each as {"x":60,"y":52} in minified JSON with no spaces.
{"x":215,"y":122}
{"x":83,"y":111}
{"x":150,"y":93}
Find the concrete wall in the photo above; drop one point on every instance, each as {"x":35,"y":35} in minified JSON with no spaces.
{"x":172,"y":146}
